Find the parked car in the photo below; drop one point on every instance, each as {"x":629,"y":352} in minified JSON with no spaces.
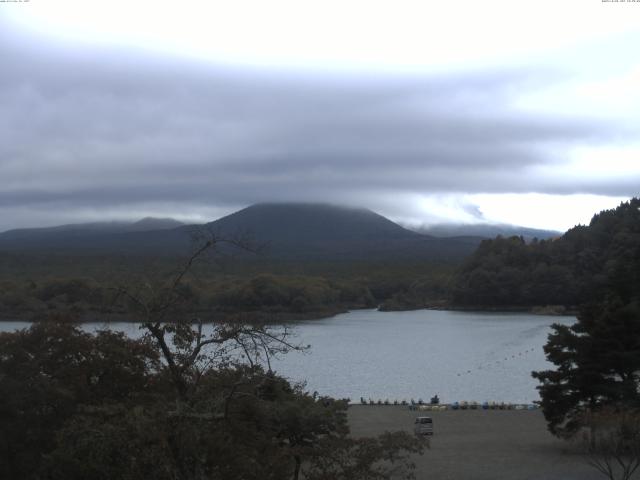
{"x":423,"y":426}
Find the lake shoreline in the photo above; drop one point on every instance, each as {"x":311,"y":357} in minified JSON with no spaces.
{"x":275,"y":318}
{"x":271,"y":318}
{"x":554,"y":310}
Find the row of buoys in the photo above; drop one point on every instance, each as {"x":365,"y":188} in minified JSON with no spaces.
{"x":463,"y":405}
{"x":475,"y":406}
{"x":429,"y":408}
{"x":497,"y":362}
{"x":434,"y":400}
{"x":388,"y":402}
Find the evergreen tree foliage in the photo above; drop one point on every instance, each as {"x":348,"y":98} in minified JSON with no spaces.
{"x":598,"y":358}
{"x":597,"y":365}
{"x":586,"y":262}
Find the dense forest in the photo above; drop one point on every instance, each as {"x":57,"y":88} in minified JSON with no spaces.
{"x":594,"y":389}
{"x":272,"y":260}
{"x":503,"y":273}
{"x":571,"y":270}
{"x":85,"y":287}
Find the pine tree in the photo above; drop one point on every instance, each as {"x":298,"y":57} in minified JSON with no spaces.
{"x":598,"y":365}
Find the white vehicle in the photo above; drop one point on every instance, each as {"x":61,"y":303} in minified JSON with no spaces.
{"x":423,"y":426}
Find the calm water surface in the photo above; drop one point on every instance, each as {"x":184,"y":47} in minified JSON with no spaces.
{"x":404,"y":355}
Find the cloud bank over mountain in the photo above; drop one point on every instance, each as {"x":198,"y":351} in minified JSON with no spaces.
{"x":109,"y":132}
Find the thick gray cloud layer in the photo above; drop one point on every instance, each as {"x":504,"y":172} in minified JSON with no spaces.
{"x":105,"y":130}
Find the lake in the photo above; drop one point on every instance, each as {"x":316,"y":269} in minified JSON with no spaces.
{"x":404,"y":355}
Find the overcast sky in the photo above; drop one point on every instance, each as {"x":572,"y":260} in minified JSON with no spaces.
{"x":499,"y":111}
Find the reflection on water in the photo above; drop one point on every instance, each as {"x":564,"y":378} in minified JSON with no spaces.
{"x":404,"y":355}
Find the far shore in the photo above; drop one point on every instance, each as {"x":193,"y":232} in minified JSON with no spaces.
{"x":266,"y":317}
{"x":554,"y":310}
{"x":285,"y":317}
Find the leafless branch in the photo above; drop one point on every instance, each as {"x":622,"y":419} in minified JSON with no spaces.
{"x":183,"y":342}
{"x":612,"y":443}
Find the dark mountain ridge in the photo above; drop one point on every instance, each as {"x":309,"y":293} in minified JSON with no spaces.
{"x":321,"y":231}
{"x":307,"y":222}
{"x":143,"y":225}
{"x":487,"y":230}
{"x":294,"y":231}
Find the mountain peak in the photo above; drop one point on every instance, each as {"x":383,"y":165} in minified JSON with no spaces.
{"x":290,"y":223}
{"x":153,"y":223}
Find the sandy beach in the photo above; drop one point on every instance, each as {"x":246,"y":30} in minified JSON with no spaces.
{"x":480,"y":444}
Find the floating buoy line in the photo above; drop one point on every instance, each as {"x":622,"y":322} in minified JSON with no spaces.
{"x":489,"y":365}
{"x":462,"y":405}
{"x":420,"y":405}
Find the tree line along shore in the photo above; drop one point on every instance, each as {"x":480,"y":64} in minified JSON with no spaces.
{"x":504,"y":274}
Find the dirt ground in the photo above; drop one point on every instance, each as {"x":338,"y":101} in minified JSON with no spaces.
{"x":481,"y":444}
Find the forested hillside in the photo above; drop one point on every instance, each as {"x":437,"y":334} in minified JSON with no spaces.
{"x":571,"y":270}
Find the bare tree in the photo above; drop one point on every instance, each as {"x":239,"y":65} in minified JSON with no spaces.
{"x":188,"y":348}
{"x":611,"y":441}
